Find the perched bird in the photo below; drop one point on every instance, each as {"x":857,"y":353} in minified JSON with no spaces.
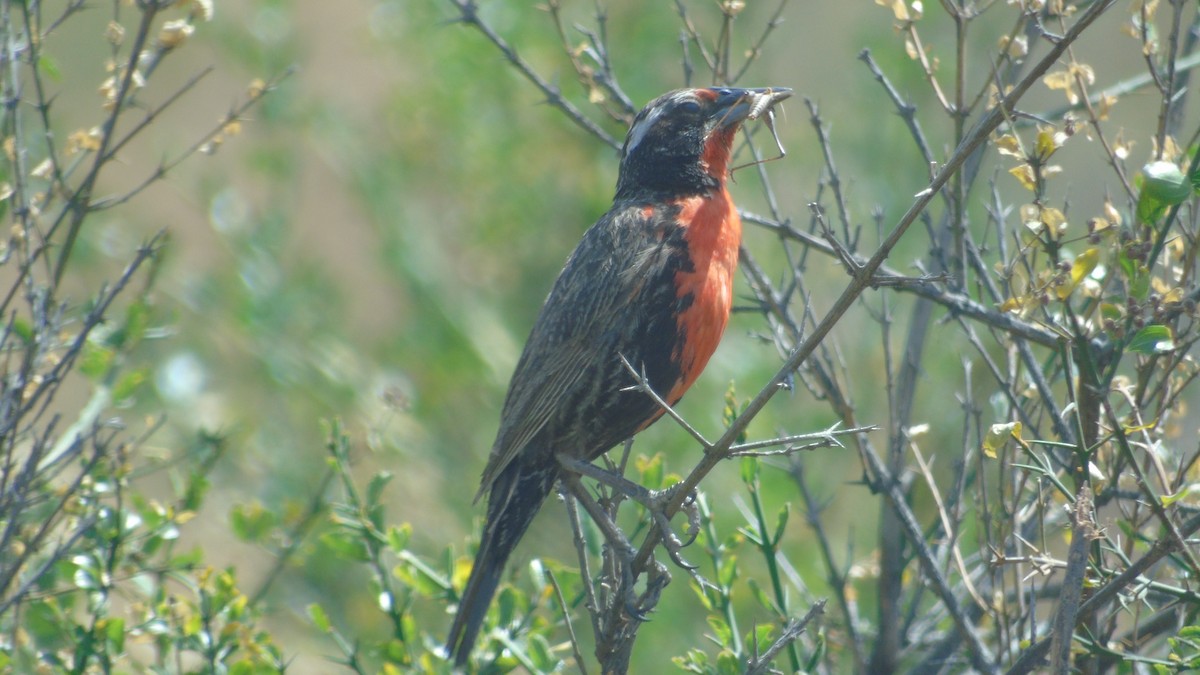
{"x":651,"y":281}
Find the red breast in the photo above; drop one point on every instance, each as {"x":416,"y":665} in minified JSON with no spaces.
{"x":713,"y":232}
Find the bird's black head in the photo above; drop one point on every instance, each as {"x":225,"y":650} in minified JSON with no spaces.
{"x":679,"y":144}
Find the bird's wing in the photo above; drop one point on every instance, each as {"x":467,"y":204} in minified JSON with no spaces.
{"x":583,"y":304}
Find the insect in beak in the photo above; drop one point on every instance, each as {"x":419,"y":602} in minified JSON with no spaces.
{"x":762,"y":104}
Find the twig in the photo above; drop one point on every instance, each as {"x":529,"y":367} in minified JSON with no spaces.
{"x":1082,"y":532}
{"x":791,"y":633}
{"x":1033,"y":657}
{"x":566,"y":610}
{"x":468,"y":14}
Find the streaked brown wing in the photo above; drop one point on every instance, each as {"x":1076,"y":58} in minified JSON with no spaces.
{"x":583,"y":304}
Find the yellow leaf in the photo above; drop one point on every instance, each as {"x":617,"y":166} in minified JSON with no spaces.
{"x":1111,"y":213}
{"x":1054,"y":219}
{"x":1084,"y":264}
{"x":1064,"y":80}
{"x":1008,"y":145}
{"x":899,"y":10}
{"x":998,"y":435}
{"x":1046,"y":144}
{"x":1168,"y":500}
{"x":1059,"y":79}
{"x":1017,"y":48}
{"x":1083,"y":71}
{"x":1140,"y":427}
{"x":1121,"y":147}
{"x":1024,"y":175}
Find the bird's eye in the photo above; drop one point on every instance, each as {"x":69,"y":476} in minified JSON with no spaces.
{"x":689,"y":107}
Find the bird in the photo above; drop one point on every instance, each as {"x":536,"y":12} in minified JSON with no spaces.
{"x":649,"y":286}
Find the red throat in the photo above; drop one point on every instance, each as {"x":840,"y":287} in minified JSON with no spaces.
{"x":717,"y":149}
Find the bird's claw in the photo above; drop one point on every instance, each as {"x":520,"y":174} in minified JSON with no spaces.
{"x":656,"y":503}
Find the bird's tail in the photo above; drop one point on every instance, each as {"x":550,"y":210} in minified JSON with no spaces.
{"x":515,"y":498}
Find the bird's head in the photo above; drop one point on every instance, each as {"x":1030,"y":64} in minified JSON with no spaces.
{"x":680,"y":142}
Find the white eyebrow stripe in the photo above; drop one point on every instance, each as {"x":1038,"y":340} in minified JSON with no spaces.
{"x":638,"y":132}
{"x":640,"y":128}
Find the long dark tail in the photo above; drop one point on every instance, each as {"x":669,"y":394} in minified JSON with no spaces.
{"x":515,"y":498}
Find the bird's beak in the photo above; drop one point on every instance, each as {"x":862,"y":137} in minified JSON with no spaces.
{"x":737,"y":105}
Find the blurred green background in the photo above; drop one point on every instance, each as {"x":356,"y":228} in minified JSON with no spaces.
{"x":376,"y":243}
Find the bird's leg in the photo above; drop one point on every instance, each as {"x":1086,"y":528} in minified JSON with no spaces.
{"x":655,"y":502}
{"x":616,"y":539}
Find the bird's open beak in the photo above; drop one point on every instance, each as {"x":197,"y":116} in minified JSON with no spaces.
{"x":737,"y":105}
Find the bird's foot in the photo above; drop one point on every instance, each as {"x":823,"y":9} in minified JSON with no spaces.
{"x":656,"y":503}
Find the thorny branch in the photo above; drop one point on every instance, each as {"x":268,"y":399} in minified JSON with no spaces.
{"x":1050,"y":367}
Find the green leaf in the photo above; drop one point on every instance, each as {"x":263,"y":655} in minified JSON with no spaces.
{"x":128,"y":384}
{"x":319,"y":618}
{"x":137,"y":320}
{"x":761,"y":638}
{"x":1165,"y":183}
{"x":539,"y":653}
{"x":398,"y":537}
{"x":395,"y":651}
{"x":95,"y":361}
{"x":1139,"y":284}
{"x":114,"y":633}
{"x":720,"y":630}
{"x":23,"y":329}
{"x":760,"y":594}
{"x":1128,"y":265}
{"x":375,"y":487}
{"x":420,"y":577}
{"x":48,"y":67}
{"x":702,"y":593}
{"x":46,"y":624}
{"x":346,"y":546}
{"x":651,"y":470}
{"x":252,"y":522}
{"x":1162,"y":185}
{"x":727,"y":663}
{"x":731,"y":410}
{"x":727,"y":572}
{"x":695,"y":661}
{"x":749,"y":467}
{"x":818,"y":653}
{"x":1153,"y":339}
{"x":781,"y":521}
{"x":197,"y":487}
{"x":506,"y":605}
{"x":1149,"y":209}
